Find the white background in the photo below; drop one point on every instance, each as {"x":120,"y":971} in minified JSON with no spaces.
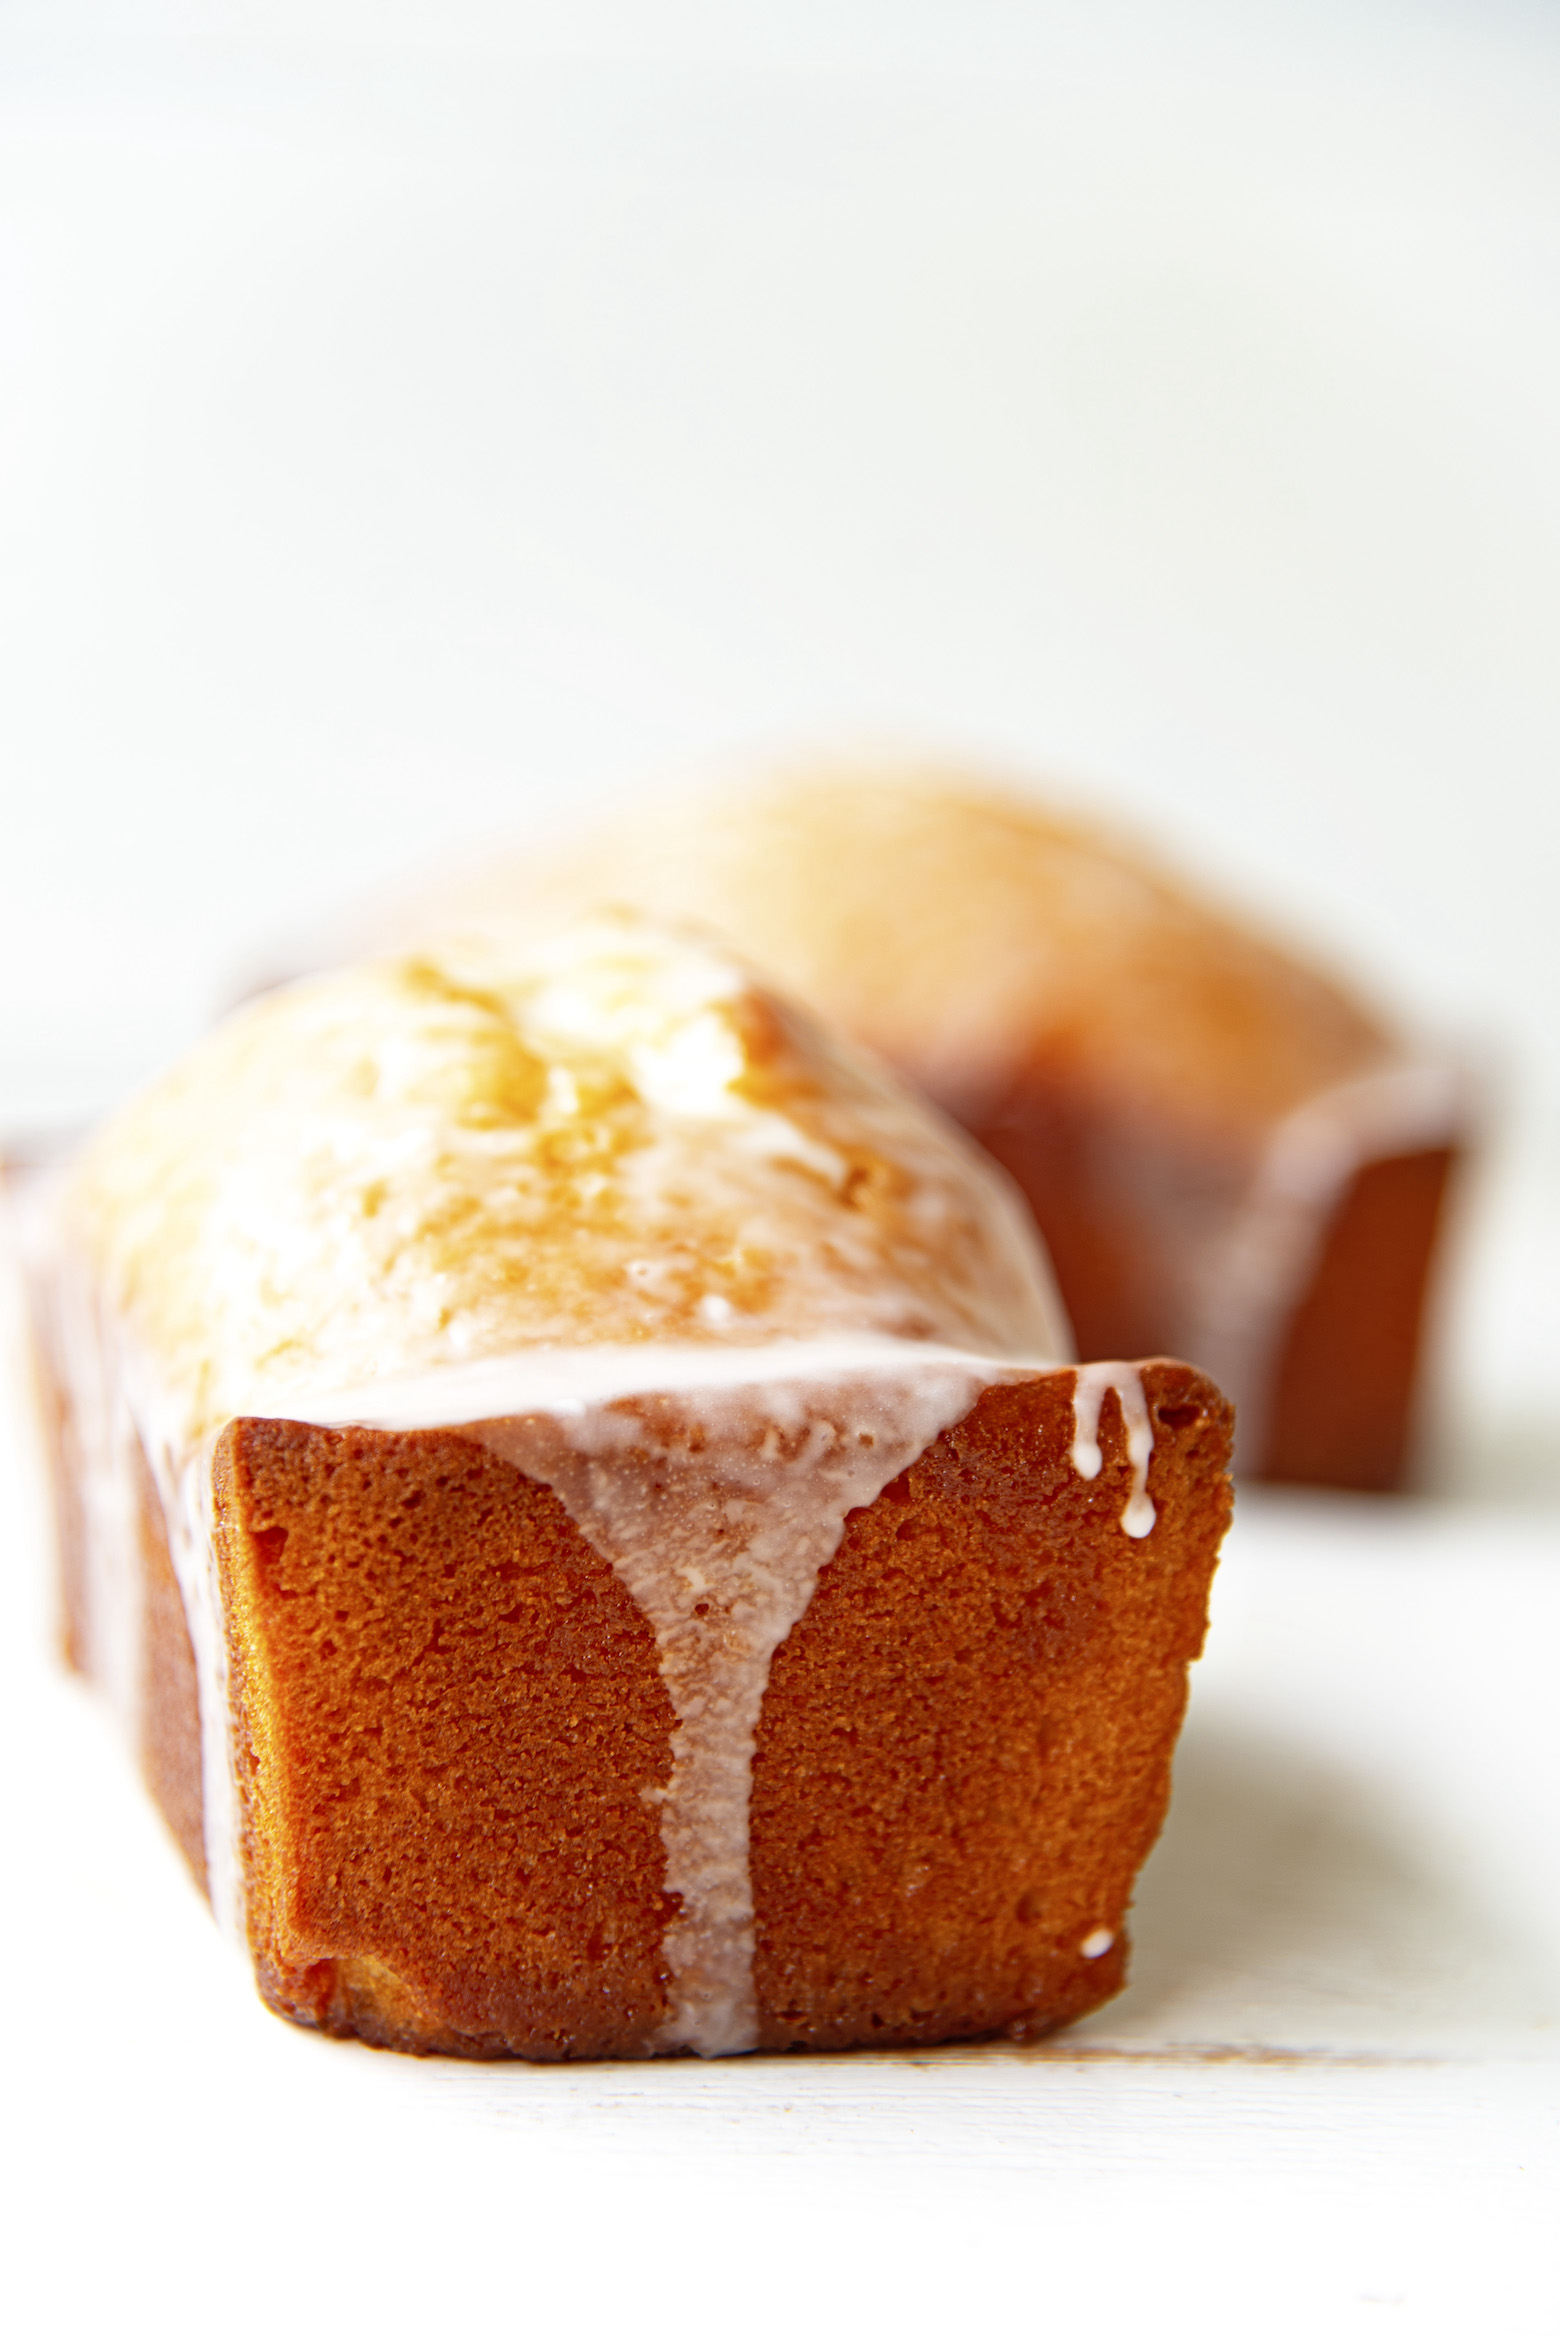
{"x":416,"y":424}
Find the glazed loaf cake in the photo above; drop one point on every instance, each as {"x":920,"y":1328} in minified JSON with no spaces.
{"x":1229,"y":1155}
{"x":573,"y":1481}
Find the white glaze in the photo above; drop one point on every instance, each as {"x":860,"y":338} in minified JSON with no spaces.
{"x":123,"y":1429}
{"x":1089,"y":1391}
{"x":717,"y":1509}
{"x":568,"y":1383}
{"x":104,"y":1452}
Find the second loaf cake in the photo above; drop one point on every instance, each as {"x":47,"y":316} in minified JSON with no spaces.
{"x":1229,"y":1154}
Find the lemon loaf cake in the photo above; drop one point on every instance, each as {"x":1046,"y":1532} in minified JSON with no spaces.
{"x":576,"y":1484}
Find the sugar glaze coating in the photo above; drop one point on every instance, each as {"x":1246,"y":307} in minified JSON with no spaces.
{"x":612,"y":1138}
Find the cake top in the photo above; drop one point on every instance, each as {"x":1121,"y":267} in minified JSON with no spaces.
{"x":611,"y":1138}
{"x":967,"y":933}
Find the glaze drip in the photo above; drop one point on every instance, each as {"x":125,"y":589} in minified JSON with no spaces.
{"x":718,"y":1510}
{"x":1089,"y":1391}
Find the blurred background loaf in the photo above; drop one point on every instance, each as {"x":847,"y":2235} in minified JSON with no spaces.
{"x":1231,"y":1156}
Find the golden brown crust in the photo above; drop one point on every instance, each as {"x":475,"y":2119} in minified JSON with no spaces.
{"x":452,"y":1729}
